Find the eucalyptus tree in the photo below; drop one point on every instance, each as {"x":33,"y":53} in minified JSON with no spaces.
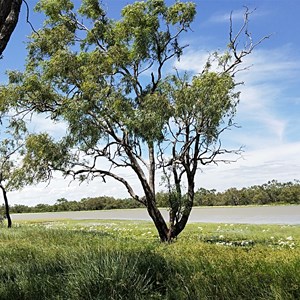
{"x":108,"y":82}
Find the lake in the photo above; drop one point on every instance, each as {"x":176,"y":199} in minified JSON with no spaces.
{"x":289,"y":215}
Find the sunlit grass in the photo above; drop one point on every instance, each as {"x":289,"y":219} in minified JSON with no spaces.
{"x":237,"y":234}
{"x":110,"y":259}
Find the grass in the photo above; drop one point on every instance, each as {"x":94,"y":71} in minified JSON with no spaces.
{"x":124,"y":260}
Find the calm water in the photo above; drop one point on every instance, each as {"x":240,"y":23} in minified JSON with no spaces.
{"x":251,"y":215}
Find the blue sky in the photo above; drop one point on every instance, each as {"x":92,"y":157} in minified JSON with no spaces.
{"x":270,"y":98}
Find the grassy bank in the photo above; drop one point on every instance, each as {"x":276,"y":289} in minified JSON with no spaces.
{"x":124,"y":260}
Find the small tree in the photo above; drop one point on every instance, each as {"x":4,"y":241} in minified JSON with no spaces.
{"x":11,"y":151}
{"x":106,"y":80}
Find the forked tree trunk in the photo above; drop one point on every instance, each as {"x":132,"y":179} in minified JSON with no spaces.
{"x":9,"y":15}
{"x":7,"y":214}
{"x":176,"y":227}
{"x":168,"y":233}
{"x":179,"y":226}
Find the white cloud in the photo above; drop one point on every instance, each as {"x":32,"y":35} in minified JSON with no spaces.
{"x":265,"y":90}
{"x":256,"y":105}
{"x":70,"y":189}
{"x":280,"y":64}
{"x":193,"y":60}
{"x":264,"y":65}
{"x":265,"y":86}
{"x":41,"y":123}
{"x":222,"y":17}
{"x":236,"y":15}
{"x":257,"y":167}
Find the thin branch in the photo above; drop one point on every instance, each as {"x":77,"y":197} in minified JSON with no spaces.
{"x":27,"y":17}
{"x":103,"y":173}
{"x":248,"y":46}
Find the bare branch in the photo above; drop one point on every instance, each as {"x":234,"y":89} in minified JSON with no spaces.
{"x":249,"y":44}
{"x":103,"y":173}
{"x":27,"y":17}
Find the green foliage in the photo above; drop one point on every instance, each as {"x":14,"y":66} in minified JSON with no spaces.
{"x":206,"y":103}
{"x":91,"y":9}
{"x":54,"y":9}
{"x":149,"y":121}
{"x":42,"y":155}
{"x":11,"y":152}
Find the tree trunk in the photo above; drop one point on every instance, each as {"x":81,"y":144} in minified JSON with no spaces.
{"x":9,"y":222}
{"x":158,"y":220}
{"x":167,"y":234}
{"x":9,"y":15}
{"x":179,"y":226}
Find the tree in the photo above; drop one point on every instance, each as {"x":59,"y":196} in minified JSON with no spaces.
{"x":106,"y":80}
{"x":11,"y":149}
{"x":206,"y":197}
{"x":9,"y":15}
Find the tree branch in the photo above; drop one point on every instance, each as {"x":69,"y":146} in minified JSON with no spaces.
{"x":249,"y":45}
{"x":9,"y":15}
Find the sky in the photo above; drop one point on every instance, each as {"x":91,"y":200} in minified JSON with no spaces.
{"x":269,"y":109}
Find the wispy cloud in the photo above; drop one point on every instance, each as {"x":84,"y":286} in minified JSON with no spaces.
{"x":193,"y":61}
{"x":41,"y":123}
{"x":281,"y":64}
{"x":265,"y":86}
{"x":259,"y":166}
{"x":222,"y":17}
{"x":236,"y":15}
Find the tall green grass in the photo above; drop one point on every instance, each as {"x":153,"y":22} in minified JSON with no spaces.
{"x":124,"y":260}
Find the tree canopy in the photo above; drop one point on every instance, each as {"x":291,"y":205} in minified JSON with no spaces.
{"x":109,"y":82}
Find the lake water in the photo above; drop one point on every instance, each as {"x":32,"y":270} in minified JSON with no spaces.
{"x":289,"y":215}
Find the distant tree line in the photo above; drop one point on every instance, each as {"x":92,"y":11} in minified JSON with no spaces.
{"x":272,"y":192}
{"x":62,"y":204}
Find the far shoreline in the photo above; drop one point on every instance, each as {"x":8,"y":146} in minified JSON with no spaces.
{"x":252,"y":214}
